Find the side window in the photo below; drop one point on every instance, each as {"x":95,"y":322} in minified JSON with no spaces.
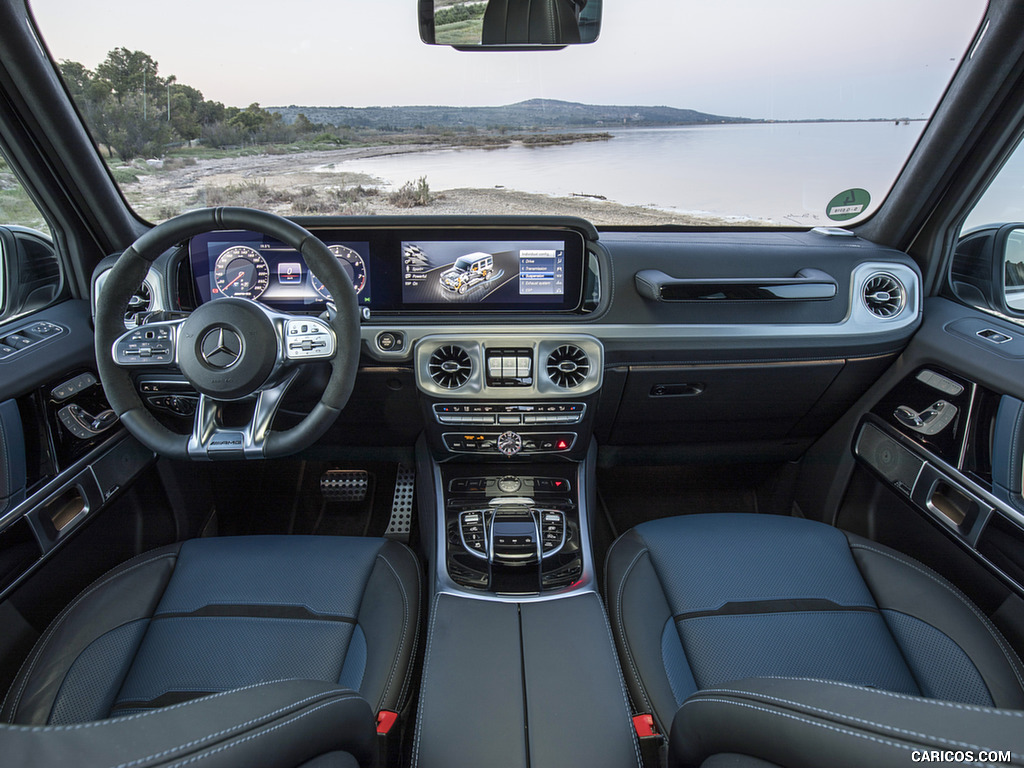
{"x":16,"y":207}
{"x":988,"y":267}
{"x":30,"y":274}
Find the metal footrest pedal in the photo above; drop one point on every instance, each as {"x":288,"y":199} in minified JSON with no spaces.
{"x":344,"y":485}
{"x":400,"y":524}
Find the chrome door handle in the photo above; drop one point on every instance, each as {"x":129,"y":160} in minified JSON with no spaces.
{"x":930,"y":421}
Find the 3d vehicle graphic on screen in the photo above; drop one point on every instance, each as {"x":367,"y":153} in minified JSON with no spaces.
{"x":468,"y":272}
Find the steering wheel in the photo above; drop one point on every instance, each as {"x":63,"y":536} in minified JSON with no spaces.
{"x":229,"y":349}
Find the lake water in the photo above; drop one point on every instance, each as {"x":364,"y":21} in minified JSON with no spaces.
{"x":786,"y":173}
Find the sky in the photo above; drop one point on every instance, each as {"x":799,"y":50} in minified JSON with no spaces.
{"x":781,"y":59}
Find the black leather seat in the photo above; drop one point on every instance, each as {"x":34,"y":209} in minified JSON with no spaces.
{"x":334,"y":618}
{"x":739,"y":627}
{"x":530,"y":22}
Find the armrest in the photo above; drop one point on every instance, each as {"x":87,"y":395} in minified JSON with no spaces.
{"x":795,"y":723}
{"x":284,"y":723}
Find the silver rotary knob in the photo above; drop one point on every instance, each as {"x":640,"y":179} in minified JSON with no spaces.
{"x":510,"y":443}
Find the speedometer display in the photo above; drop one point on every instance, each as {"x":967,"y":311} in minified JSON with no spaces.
{"x":240,"y":271}
{"x":353,"y":265}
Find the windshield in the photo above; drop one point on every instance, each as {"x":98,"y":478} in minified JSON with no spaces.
{"x":736,"y":112}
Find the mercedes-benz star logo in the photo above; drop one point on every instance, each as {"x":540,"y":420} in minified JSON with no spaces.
{"x":221,"y":347}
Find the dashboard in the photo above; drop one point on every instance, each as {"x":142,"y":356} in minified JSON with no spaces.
{"x":401,"y":270}
{"x":515,"y":322}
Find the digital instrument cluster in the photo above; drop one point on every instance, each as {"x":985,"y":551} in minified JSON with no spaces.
{"x":251,"y":266}
{"x":400,"y":270}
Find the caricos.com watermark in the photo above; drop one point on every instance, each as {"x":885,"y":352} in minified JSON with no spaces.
{"x":960,"y":756}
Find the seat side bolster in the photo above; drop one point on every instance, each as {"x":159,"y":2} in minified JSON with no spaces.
{"x":638,"y":611}
{"x":801,"y":723}
{"x":281,"y":723}
{"x":904,"y":585}
{"x":128,"y":593}
{"x":388,"y":617}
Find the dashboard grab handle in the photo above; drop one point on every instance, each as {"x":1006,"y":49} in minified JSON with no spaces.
{"x":807,"y":285}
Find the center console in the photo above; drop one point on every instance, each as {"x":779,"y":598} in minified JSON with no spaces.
{"x":512,"y":533}
{"x":509,"y":423}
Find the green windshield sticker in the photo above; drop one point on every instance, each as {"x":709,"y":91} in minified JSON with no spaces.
{"x":848,"y":204}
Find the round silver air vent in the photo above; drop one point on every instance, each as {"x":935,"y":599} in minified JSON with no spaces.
{"x":450,"y":366}
{"x":141,"y":301}
{"x":568,"y":366}
{"x":884,"y":295}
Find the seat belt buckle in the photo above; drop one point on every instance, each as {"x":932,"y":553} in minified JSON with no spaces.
{"x":388,"y":740}
{"x":644,"y":725}
{"x":385,"y":719}
{"x":651,"y":741}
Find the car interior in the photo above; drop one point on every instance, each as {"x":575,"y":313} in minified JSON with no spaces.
{"x":562,"y":494}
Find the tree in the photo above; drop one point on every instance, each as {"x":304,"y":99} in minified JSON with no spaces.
{"x":251,"y":119}
{"x":303,"y":125}
{"x":186,"y":117}
{"x":129,"y":72}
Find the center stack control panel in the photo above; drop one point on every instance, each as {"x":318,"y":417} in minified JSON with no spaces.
{"x":505,"y":397}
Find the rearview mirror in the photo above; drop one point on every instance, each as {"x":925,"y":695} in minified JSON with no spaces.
{"x":509,"y":24}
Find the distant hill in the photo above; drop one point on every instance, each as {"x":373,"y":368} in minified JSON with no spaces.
{"x":534,"y":113}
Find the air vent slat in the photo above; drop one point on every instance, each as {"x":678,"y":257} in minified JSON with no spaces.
{"x":450,"y":366}
{"x":568,"y":366}
{"x":140,"y":302}
{"x":884,"y":295}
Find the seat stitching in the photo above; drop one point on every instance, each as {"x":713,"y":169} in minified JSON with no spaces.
{"x":814,"y":723}
{"x":416,"y":635}
{"x":622,"y":684}
{"x":622,"y":628}
{"x":423,"y":689}
{"x":291,"y":720}
{"x":853,"y":718}
{"x":405,"y":629}
{"x":993,"y":631}
{"x":151,"y":713}
{"x":33,"y":659}
{"x":904,"y":697}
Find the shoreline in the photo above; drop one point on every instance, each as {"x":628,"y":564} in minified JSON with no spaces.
{"x":315,"y":182}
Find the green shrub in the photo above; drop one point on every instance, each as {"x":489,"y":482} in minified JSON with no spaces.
{"x":412,"y":194}
{"x":457,"y":13}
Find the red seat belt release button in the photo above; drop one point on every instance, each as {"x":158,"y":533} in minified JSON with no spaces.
{"x":385,"y":719}
{"x":644,"y":725}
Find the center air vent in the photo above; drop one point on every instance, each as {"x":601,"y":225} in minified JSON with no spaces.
{"x":450,"y":366}
{"x":141,"y":301}
{"x":568,"y":366}
{"x":884,"y":295}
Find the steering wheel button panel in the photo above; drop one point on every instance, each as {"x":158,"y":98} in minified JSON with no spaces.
{"x":146,"y":345}
{"x":308,"y":339}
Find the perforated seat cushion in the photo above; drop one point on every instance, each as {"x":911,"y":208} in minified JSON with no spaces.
{"x":701,"y":600}
{"x":216,"y":614}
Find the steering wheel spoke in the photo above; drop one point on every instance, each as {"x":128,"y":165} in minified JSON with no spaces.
{"x":152,"y":345}
{"x":212,"y":440}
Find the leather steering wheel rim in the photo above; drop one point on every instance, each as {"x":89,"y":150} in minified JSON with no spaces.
{"x":127,"y":275}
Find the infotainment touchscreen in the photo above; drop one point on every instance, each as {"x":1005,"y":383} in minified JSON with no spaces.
{"x":481,"y":273}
